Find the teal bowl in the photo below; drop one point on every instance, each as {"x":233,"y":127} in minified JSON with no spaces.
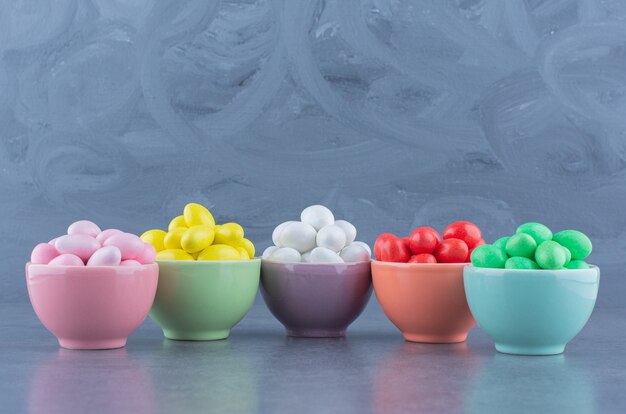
{"x":531,"y":312}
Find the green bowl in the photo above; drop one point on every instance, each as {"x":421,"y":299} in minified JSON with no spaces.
{"x":203,"y":300}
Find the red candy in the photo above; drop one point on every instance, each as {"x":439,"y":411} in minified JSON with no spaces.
{"x":463,"y":230}
{"x":389,"y":248}
{"x":423,"y":258}
{"x":424,"y":240}
{"x":451,"y":251}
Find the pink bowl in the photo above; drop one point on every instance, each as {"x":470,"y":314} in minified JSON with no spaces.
{"x":91,"y":307}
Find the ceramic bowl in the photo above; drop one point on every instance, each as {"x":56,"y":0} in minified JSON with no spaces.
{"x":531,"y":312}
{"x":426,"y":301}
{"x":316,"y":299}
{"x":91,"y":307}
{"x":202,"y":300}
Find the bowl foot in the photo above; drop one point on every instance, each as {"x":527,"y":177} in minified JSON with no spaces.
{"x":435,"y":339}
{"x":530,"y":350}
{"x":196,"y":335}
{"x":92,"y":344}
{"x":316,"y":333}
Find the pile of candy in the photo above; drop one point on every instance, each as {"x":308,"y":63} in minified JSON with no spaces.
{"x":195,"y":236}
{"x":425,"y":245}
{"x":535,"y":247}
{"x":317,"y":238}
{"x":86,"y":244}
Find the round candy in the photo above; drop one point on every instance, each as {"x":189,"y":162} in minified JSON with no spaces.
{"x":451,"y":250}
{"x":268,"y":252}
{"x":43,"y":253}
{"x":577,"y":264}
{"x":365,"y":246}
{"x":324,"y":255}
{"x":196,"y":238}
{"x":575,"y":241}
{"x":173,"y":254}
{"x":105,"y":234}
{"x":520,"y":263}
{"x":80,"y":245}
{"x":354,"y":253}
{"x":332,"y":237}
{"x":105,"y":256}
{"x":130,"y":262}
{"x":278,"y":230}
{"x":196,"y":214}
{"x":247,"y":244}
{"x":177,"y":222}
{"x":155,"y":237}
{"x":469,"y":252}
{"x":488,"y":255}
{"x":219,"y":252}
{"x":173,"y":238}
{"x":147,"y":255}
{"x":423,"y":258}
{"x":285,"y":254}
{"x":550,"y":255}
{"x":299,"y":236}
{"x":243,"y":253}
{"x":501,"y":243}
{"x":129,"y":244}
{"x":84,"y":227}
{"x":67,"y":259}
{"x":521,"y":244}
{"x":348,"y":229}
{"x":229,"y":233}
{"x":538,"y":231}
{"x":390,"y":248}
{"x":423,"y":240}
{"x":317,"y":216}
{"x":463,"y":230}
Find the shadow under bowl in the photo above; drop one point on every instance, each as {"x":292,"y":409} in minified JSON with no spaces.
{"x":91,"y":307}
{"x":203,"y":300}
{"x":531,"y":312}
{"x":316,"y":300}
{"x":426,"y":301}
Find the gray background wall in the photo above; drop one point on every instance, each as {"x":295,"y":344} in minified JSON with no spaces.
{"x":393,"y":113}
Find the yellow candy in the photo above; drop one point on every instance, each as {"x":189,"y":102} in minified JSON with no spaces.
{"x":220,"y":252}
{"x":197,"y":238}
{"x":247,"y":244}
{"x":155,"y":238}
{"x":243,"y":253}
{"x":172,"y":239}
{"x":173,"y":254}
{"x":230,"y":234}
{"x":195,"y":255}
{"x":177,"y":222}
{"x":195,"y":215}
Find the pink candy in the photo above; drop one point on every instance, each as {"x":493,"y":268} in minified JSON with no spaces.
{"x":86,"y":244}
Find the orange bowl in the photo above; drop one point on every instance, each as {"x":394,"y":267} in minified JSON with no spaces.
{"x":426,"y":301}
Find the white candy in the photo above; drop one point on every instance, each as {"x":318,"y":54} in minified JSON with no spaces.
{"x":354,"y":253}
{"x":299,"y":236}
{"x":317,"y":216}
{"x":285,"y":254}
{"x":324,"y":255}
{"x":365,"y":246}
{"x":105,"y":256}
{"x":306,"y":257}
{"x":332,"y":237}
{"x":268,"y":252}
{"x":278,"y":230}
{"x":347,"y":228}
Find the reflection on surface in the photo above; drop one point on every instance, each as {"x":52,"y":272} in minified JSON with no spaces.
{"x":424,"y":377}
{"x":550,"y":385}
{"x":87,"y":381}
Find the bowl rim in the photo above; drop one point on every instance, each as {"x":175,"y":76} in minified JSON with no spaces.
{"x":405,"y":265}
{"x":498,"y":270}
{"x":278,"y":262}
{"x":48,"y":266}
{"x":240,"y":261}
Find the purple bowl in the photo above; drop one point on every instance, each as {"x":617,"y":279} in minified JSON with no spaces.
{"x":317,"y":300}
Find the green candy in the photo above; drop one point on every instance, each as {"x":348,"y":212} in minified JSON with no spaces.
{"x":520,"y":263}
{"x":568,"y":255}
{"x":577,"y":243}
{"x":521,"y":244}
{"x":550,"y":255}
{"x":501,"y":243}
{"x":537,"y":231}
{"x":577,"y":264}
{"x":488,"y":255}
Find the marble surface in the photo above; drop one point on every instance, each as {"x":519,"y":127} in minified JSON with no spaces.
{"x":260,"y":370}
